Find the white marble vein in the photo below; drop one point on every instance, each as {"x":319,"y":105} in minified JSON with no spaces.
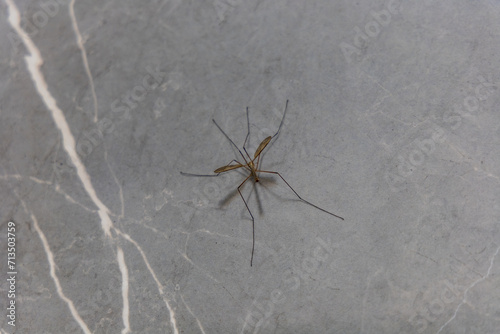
{"x":184,"y":255}
{"x":464,"y":300}
{"x":57,"y":188}
{"x":160,"y":287}
{"x":34,"y":61}
{"x":120,"y":189}
{"x":52,"y":265}
{"x":79,"y":41}
{"x":124,"y":270}
{"x":194,"y":316}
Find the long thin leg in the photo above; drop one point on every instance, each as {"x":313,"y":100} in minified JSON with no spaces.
{"x":199,"y":175}
{"x":253,"y":220}
{"x":282,"y":120}
{"x":279,"y":128}
{"x":317,"y":207}
{"x":230,"y":140}
{"x":248,"y":134}
{"x":209,"y":175}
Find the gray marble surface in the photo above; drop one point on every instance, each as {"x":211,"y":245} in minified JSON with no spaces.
{"x":392,"y":123}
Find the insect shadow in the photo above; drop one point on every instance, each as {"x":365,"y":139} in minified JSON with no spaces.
{"x":251,"y":165}
{"x":264,"y":181}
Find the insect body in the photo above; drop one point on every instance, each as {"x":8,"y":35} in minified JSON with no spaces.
{"x":252,"y":165}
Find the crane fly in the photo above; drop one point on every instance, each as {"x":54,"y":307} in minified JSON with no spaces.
{"x":252,"y":166}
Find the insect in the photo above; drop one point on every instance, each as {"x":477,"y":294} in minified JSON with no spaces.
{"x":252,"y":166}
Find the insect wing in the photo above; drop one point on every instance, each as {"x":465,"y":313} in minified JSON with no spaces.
{"x":227,"y":168}
{"x":262,"y":146}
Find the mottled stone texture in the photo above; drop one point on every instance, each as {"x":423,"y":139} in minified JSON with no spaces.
{"x":392,"y":123}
